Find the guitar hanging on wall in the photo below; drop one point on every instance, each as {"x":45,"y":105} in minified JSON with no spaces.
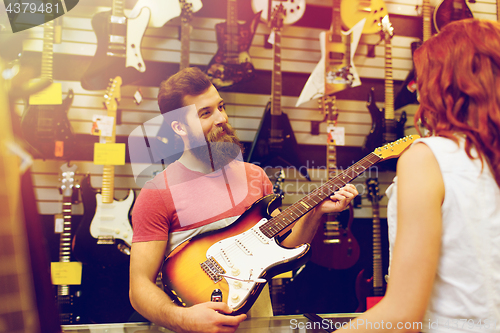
{"x":237,"y":261}
{"x":118,"y":50}
{"x":105,"y":235}
{"x":334,"y":245}
{"x":353,"y":11}
{"x":232,"y":64}
{"x":449,"y":11}
{"x":293,"y":9}
{"x":370,"y":291}
{"x":275,"y":144}
{"x":385,"y":128}
{"x":46,"y":127}
{"x":67,"y":296}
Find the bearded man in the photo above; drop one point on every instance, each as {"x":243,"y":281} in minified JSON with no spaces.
{"x":206,"y":189}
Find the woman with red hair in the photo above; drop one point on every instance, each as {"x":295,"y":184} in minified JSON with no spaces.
{"x":444,"y":204}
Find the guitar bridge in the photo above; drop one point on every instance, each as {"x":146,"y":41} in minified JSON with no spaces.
{"x":213,"y":269}
{"x":105,"y":240}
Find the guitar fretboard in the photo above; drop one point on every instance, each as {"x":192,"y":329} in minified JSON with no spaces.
{"x":117,"y":9}
{"x":185,"y":32}
{"x":276,"y":75}
{"x":426,"y":13}
{"x":47,"y":53}
{"x":389,"y":84}
{"x":278,"y":223}
{"x":377,"y":250}
{"x":231,"y":51}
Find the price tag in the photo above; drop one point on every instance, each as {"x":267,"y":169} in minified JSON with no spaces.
{"x":102,"y":125}
{"x":109,"y":153}
{"x":66,"y":273}
{"x":336,"y":135}
{"x":58,"y":223}
{"x":52,"y":95}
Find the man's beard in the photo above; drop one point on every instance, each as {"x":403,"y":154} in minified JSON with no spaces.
{"x":218,"y":148}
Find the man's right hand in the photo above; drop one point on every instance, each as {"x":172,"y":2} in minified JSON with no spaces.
{"x":208,"y":317}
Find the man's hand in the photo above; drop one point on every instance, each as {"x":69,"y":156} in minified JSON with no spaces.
{"x":339,"y":200}
{"x":208,"y":317}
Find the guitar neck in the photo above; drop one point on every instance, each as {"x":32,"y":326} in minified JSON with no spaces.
{"x":377,"y":250}
{"x":65,"y":242}
{"x":117,"y":8}
{"x":231,"y":51}
{"x":280,"y":222}
{"x":389,"y":84}
{"x":184,"y":44}
{"x":426,"y":13}
{"x":48,"y":52}
{"x":276,"y":75}
{"x":108,"y":172}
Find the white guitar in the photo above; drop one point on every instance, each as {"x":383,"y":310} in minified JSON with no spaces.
{"x":294,"y":9}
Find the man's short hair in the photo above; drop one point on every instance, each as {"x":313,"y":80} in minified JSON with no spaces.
{"x":189,"y":81}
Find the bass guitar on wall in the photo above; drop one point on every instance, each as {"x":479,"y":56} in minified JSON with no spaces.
{"x":118,"y":47}
{"x":105,"y":235}
{"x":232,"y":64}
{"x":237,"y":261}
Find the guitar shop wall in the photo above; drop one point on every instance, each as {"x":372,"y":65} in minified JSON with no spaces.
{"x":320,"y":286}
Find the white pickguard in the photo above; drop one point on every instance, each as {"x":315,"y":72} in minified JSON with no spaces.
{"x":245,"y":257}
{"x":135,"y":30}
{"x":111,"y":220}
{"x":315,"y":85}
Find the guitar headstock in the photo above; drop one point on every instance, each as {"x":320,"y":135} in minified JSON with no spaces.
{"x":328,"y":103}
{"x":186,"y":10}
{"x":395,"y":148}
{"x":277,"y":17}
{"x":113,"y":94}
{"x":373,"y":190}
{"x":386,"y":28}
{"x":67,"y":179}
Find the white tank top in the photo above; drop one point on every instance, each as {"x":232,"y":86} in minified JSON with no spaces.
{"x":467,"y":285}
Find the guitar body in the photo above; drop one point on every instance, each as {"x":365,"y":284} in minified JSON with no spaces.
{"x":104,"y":234}
{"x":382,"y":129}
{"x":228,"y":67}
{"x":241,"y":250}
{"x":449,"y":11}
{"x":334,"y":245}
{"x":43,"y":125}
{"x":275,"y":144}
{"x":116,"y":59}
{"x":353,"y":11}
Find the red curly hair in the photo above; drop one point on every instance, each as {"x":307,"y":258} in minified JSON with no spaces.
{"x":458,"y":76}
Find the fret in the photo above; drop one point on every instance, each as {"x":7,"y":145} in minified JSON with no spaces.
{"x":301,"y":207}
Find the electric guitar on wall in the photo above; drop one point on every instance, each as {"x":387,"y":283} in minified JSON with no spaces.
{"x":293,"y":9}
{"x":370,"y":291}
{"x":105,"y":234}
{"x":334,"y":245}
{"x":353,"y":11}
{"x":237,"y":261}
{"x":232,"y":64}
{"x":46,"y":127}
{"x":275,"y":144}
{"x":385,"y":128}
{"x":450,"y":10}
{"x":118,"y":50}
{"x":67,"y":296}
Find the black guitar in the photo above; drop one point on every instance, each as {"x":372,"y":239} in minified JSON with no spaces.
{"x":232,"y":64}
{"x":67,"y":296}
{"x":451,"y":10}
{"x":46,"y":127}
{"x":275,"y":144}
{"x":385,"y":128}
{"x":118,"y":47}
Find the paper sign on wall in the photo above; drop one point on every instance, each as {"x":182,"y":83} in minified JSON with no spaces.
{"x":109,"y":153}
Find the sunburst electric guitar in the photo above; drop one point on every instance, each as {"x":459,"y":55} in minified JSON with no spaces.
{"x":105,"y":235}
{"x":237,"y":261}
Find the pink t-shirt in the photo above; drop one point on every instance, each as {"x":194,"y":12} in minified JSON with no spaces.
{"x":179,"y":200}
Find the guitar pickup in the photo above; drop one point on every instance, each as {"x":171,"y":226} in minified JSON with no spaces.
{"x":105,"y":240}
{"x":336,"y":56}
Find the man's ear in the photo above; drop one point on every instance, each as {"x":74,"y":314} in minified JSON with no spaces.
{"x":178,"y":128}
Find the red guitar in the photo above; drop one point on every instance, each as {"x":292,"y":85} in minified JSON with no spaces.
{"x":334,"y":245}
{"x":370,"y":291}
